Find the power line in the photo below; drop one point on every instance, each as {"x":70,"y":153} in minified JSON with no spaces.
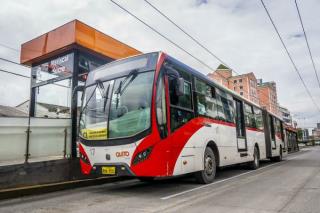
{"x":190,"y":36}
{"x":175,"y":43}
{"x":172,"y":42}
{"x":195,"y":40}
{"x":306,"y":39}
{"x":163,"y":36}
{"x":13,"y":73}
{"x":289,"y":55}
{"x":17,"y":50}
{"x":24,"y":76}
{"x":13,"y":62}
{"x":8,"y":47}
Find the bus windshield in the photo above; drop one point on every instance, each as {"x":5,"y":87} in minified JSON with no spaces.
{"x":117,"y":108}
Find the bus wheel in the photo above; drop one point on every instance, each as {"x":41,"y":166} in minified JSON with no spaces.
{"x":207,"y":175}
{"x":256,"y":160}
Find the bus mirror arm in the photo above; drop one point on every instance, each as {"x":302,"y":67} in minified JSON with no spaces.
{"x":78,"y":88}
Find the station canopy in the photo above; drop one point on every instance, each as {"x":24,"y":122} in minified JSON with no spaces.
{"x":72,"y":35}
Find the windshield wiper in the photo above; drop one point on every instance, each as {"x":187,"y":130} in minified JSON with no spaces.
{"x":105,"y":93}
{"x":106,"y":98}
{"x":132,"y":75}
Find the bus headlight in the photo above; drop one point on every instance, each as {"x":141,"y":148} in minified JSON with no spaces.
{"x":141,"y":156}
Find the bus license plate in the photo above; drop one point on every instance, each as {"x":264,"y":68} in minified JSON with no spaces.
{"x":108,"y":170}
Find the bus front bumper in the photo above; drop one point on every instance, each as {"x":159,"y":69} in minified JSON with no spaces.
{"x":112,"y":170}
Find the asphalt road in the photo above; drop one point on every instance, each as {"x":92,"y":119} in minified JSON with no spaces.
{"x":292,"y":185}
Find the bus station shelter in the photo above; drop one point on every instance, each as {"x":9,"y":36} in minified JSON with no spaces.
{"x":60,"y":60}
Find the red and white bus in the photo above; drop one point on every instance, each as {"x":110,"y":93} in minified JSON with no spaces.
{"x":152,"y":116}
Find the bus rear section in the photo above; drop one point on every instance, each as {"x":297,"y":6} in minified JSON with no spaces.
{"x":276,"y":146}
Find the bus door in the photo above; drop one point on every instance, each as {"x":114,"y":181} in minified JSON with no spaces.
{"x":272,"y":132}
{"x":240,"y":126}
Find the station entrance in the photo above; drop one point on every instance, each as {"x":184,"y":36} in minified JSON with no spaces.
{"x":60,"y":60}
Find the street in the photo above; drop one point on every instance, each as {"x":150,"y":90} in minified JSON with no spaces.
{"x":292,"y":185}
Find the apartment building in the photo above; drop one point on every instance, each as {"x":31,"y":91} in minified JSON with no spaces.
{"x":221,"y":75}
{"x":245,"y":84}
{"x":286,"y":115}
{"x":267,"y":92}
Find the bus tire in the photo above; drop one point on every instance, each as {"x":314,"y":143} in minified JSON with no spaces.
{"x":210,"y":167}
{"x":256,"y":159}
{"x":278,"y":158}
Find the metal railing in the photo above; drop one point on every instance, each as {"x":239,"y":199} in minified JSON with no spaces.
{"x":41,"y":138}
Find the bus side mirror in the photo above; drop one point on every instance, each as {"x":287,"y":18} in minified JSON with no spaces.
{"x":79,"y":88}
{"x":179,"y":81}
{"x":180,"y":87}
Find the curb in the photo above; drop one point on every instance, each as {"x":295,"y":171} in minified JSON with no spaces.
{"x":53,"y":187}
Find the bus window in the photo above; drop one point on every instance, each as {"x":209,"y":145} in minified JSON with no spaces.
{"x":282,"y":130}
{"x":278,"y":129}
{"x":272,"y":130}
{"x":240,"y":119}
{"x":181,"y":110}
{"x":161,"y":107}
{"x":183,"y":101}
{"x":225,"y":106}
{"x":205,"y":102}
{"x":258,"y":118}
{"x":249,"y":116}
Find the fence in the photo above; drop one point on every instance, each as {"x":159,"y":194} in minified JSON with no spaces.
{"x":44,"y":138}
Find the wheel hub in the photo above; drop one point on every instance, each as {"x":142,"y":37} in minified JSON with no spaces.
{"x":208,"y":165}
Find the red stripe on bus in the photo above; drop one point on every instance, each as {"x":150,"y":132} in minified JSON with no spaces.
{"x":165,"y":152}
{"x":254,"y":129}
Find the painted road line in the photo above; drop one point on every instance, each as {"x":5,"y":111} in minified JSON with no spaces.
{"x":227,"y":179}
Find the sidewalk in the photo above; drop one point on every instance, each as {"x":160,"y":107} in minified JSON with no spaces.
{"x":41,"y":172}
{"x":52,"y":187}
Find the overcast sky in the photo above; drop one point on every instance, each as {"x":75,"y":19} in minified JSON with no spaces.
{"x":238,"y":31}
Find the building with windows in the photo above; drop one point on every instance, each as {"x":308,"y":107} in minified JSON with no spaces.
{"x":286,"y":115}
{"x":245,"y":84}
{"x":221,"y":75}
{"x":316,"y":132}
{"x":267,"y":92}
{"x":305,"y":134}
